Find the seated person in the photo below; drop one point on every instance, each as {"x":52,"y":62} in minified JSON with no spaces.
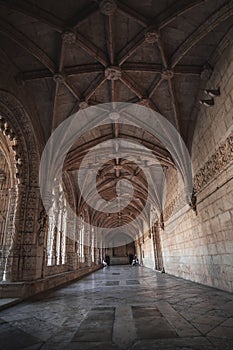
{"x":135,"y":261}
{"x":104,"y":263}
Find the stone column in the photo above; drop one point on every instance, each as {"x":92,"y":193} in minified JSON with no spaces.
{"x":31,"y":253}
{"x":10,"y":236}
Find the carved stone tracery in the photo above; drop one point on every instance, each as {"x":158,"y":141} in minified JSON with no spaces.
{"x":222,"y":157}
{"x":42,"y":222}
{"x":108,"y":7}
{"x":152,"y":36}
{"x":219,"y":160}
{"x":113,"y":73}
{"x":167,"y":74}
{"x":16,"y":126}
{"x":69,"y":37}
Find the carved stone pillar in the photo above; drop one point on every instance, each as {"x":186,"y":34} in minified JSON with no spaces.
{"x":10,"y":239}
{"x":71,"y":245}
{"x":31,"y":241}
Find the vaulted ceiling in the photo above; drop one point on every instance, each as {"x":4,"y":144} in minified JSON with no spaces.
{"x":73,"y":54}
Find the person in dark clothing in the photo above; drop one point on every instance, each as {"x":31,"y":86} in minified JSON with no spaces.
{"x":135,"y":261}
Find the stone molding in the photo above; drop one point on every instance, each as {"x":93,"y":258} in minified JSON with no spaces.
{"x":22,"y":132}
{"x":219,"y":160}
{"x":17,"y":128}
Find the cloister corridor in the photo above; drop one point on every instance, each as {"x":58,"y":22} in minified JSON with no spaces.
{"x":116,"y":146}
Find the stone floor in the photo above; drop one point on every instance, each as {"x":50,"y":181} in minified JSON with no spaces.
{"x":122,"y":307}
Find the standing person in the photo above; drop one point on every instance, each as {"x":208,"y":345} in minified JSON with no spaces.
{"x":107,"y":259}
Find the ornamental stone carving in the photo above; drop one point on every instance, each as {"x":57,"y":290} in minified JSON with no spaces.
{"x":222,"y":157}
{"x":217,"y":163}
{"x":58,"y":78}
{"x":22,"y":135}
{"x":24,"y":153}
{"x":144,"y":102}
{"x":108,"y":7}
{"x":42,"y":222}
{"x":167,"y":74}
{"x":10,"y":134}
{"x":152,"y":36}
{"x":206,"y":72}
{"x":83,"y":105}
{"x":69,"y":37}
{"x":113,"y":73}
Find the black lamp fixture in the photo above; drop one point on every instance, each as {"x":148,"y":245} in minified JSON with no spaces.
{"x":207,"y":103}
{"x":212,"y":92}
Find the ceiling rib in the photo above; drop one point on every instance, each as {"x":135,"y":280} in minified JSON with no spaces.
{"x":113,"y":91}
{"x":54,"y":105}
{"x":132,"y":14}
{"x":174,"y":103}
{"x":36,"y":74}
{"x":155,"y":85}
{"x":84,"y":68}
{"x":130,"y":83}
{"x":95,"y":84}
{"x":162,"y":52}
{"x":68,"y":71}
{"x":72,"y":89}
{"x":206,"y":27}
{"x":36,"y":12}
{"x":73,"y":157}
{"x":98,"y":68}
{"x":109,"y":38}
{"x":178,"y":8}
{"x":131,"y":47}
{"x":142,"y":67}
{"x":55,"y":98}
{"x":92,"y":49}
{"x":159,"y":22}
{"x":61,"y":56}
{"x":22,"y":40}
{"x":169,"y":75}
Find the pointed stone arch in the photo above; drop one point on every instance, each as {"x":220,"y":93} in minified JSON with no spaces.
{"x":22,"y":151}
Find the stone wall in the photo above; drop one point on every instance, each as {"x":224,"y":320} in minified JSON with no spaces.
{"x":200,"y":247}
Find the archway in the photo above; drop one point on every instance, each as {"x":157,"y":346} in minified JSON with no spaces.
{"x":8,"y":194}
{"x":20,"y":204}
{"x":120,"y":248}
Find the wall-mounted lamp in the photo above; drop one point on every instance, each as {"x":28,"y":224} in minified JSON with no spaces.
{"x":212,"y":92}
{"x":207,"y":103}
